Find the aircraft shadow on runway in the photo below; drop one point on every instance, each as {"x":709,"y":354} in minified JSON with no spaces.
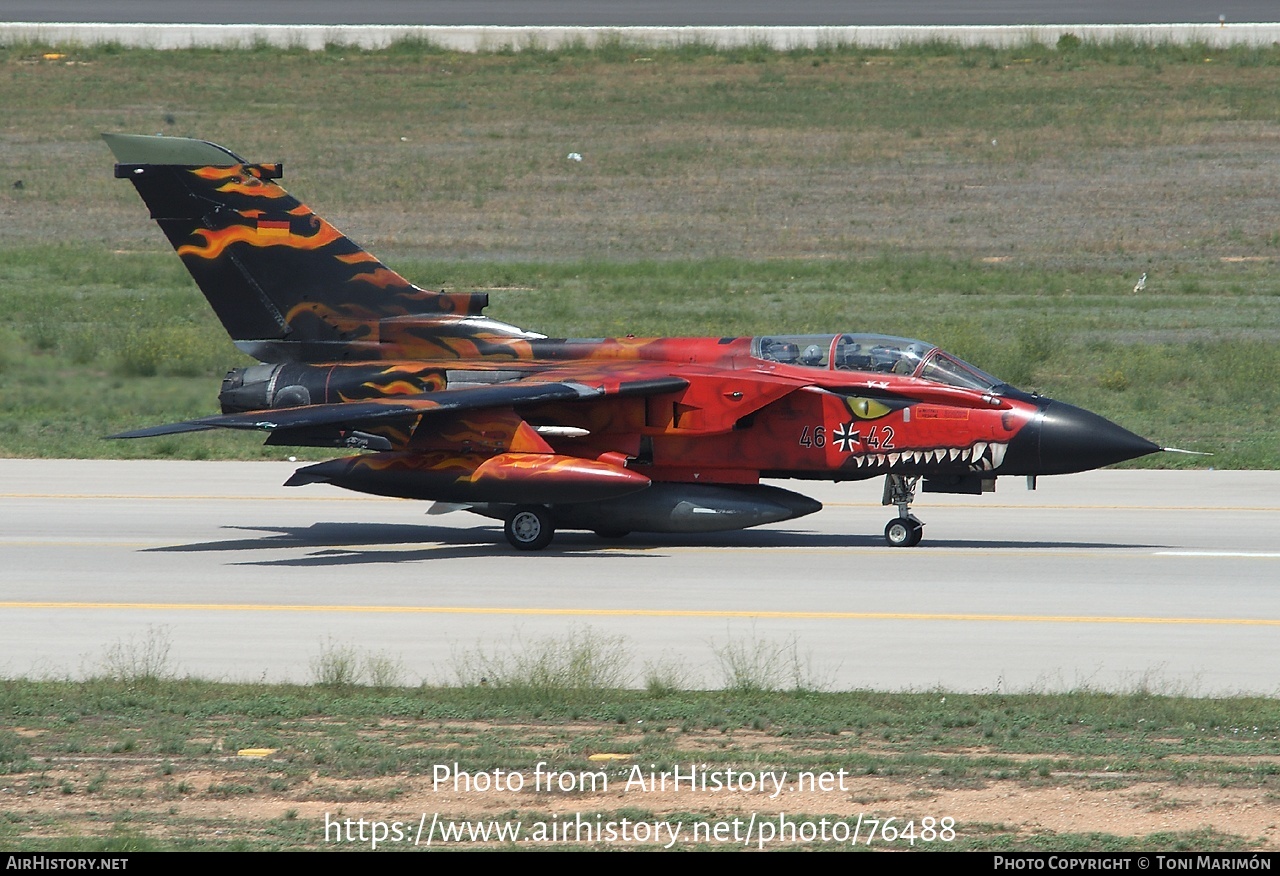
{"x":341,"y":543}
{"x":335,"y":544}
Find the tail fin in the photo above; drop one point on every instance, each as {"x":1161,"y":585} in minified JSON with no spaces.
{"x":286,"y":284}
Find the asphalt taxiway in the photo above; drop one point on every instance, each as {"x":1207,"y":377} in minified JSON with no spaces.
{"x":1110,"y":579}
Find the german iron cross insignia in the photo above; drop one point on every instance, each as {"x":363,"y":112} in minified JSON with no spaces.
{"x":846,"y":437}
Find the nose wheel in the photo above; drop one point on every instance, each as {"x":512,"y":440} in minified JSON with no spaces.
{"x":905,"y":530}
{"x":529,"y":528}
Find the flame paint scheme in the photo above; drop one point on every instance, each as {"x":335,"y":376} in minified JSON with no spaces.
{"x":612,"y":435}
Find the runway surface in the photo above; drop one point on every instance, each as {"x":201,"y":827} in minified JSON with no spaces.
{"x":1112,"y":580}
{"x":617,"y":13}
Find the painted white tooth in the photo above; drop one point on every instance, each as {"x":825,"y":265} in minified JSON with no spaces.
{"x":894,"y":457}
{"x":954,"y":453}
{"x":997,"y":454}
{"x":879,"y":458}
{"x":979,"y":450}
{"x":858,"y":461}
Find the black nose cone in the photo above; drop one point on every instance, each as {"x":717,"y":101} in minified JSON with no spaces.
{"x":1064,"y":439}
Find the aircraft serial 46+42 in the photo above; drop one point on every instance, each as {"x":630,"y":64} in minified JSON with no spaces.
{"x":611,"y":435}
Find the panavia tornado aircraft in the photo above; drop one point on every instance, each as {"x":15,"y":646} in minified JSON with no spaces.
{"x":612,"y":435}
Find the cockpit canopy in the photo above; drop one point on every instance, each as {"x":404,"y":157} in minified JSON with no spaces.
{"x":873,"y":353}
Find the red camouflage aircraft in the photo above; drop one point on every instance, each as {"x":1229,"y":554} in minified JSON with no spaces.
{"x":611,"y":435}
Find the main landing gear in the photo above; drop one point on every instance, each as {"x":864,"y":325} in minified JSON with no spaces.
{"x":529,"y":528}
{"x":904,"y":530}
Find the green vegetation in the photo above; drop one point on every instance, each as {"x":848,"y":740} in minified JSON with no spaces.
{"x":1001,"y":203}
{"x":139,"y":659}
{"x":583,"y":660}
{"x":342,"y":666}
{"x":140,"y":758}
{"x":127,"y":342}
{"x":150,"y":754}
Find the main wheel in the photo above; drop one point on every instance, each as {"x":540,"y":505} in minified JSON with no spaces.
{"x":529,"y":528}
{"x":903,"y":532}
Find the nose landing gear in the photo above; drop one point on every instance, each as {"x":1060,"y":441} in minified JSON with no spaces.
{"x":905,"y":530}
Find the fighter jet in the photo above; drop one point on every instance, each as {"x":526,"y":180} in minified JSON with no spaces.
{"x":615,"y":435}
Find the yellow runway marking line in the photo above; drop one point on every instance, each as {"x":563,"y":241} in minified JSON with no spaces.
{"x":646,"y":612}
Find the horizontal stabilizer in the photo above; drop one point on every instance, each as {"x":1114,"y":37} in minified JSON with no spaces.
{"x":143,"y":149}
{"x":167,"y":429}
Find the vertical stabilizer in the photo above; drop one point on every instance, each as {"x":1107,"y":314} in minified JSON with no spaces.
{"x":284,"y":282}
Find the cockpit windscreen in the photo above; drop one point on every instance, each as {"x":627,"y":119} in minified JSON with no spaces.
{"x":872,"y":353}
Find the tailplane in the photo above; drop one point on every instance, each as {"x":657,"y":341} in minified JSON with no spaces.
{"x":285,"y":283}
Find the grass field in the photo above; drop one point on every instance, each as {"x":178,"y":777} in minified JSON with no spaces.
{"x":138,"y":764}
{"x":1000,"y":203}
